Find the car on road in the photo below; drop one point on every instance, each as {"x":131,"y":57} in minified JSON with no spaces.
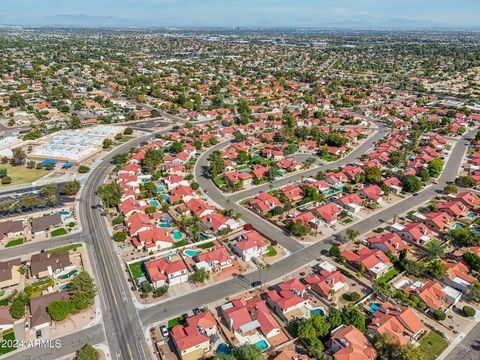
{"x":164,"y":331}
{"x":256,"y":283}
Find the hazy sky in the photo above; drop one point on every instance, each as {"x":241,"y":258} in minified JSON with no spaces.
{"x":247,"y":12}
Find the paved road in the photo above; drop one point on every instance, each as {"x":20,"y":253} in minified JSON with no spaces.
{"x":469,"y":348}
{"x":166,"y":310}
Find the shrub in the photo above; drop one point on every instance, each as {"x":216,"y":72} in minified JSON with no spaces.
{"x":422,"y":305}
{"x":119,"y":236}
{"x":334,"y":251}
{"x":439,"y":315}
{"x":82,"y":169}
{"x":468,"y":311}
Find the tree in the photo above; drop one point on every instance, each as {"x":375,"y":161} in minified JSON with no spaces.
{"x":217,"y":164}
{"x":411,"y":184}
{"x":176,"y":147}
{"x":18,"y":157}
{"x":373,"y":174}
{"x":396,"y":158}
{"x":148,"y":190}
{"x":107,"y":143}
{"x":3,"y":172}
{"x":128,"y":131}
{"x":435,"y":167}
{"x":110,"y":194}
{"x":200,"y":276}
{"x":465,"y":181}
{"x":160,"y":291}
{"x":82,"y":290}
{"x":424,"y":175}
{"x":352,"y":234}
{"x":298,"y":228}
{"x":468,"y":311}
{"x":352,"y":315}
{"x":88,"y":352}
{"x":463,"y":237}
{"x":119,"y":236}
{"x":434,"y":250}
{"x":439,"y":315}
{"x":59,"y":310}
{"x":82,"y":169}
{"x":6,"y":180}
{"x":321,"y":325}
{"x":334,"y":318}
{"x":153,"y":158}
{"x":71,"y":188}
{"x":450,"y":189}
{"x":437,"y":268}
{"x":475,"y":291}
{"x":472,"y":260}
{"x":388,"y":349}
{"x":16,"y":100}
{"x":334,"y":251}
{"x":17,"y":308}
{"x":247,"y":352}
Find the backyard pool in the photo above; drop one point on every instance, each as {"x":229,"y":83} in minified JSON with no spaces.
{"x":373,"y":308}
{"x":317,"y":311}
{"x":64,"y":212}
{"x":244,"y":170}
{"x":165,"y":225}
{"x":458,"y":225}
{"x":223,"y":349}
{"x":472,"y":215}
{"x":165,"y":197}
{"x":191,"y":253}
{"x":330,"y":192}
{"x":203,"y":236}
{"x":262,"y":345}
{"x":155,"y":203}
{"x":160,"y":188}
{"x":167,"y":218}
{"x":177,"y":235}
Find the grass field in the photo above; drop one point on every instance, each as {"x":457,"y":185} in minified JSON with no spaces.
{"x":206,"y":245}
{"x":15,"y":242}
{"x":175,"y":322}
{"x":136,"y":270}
{"x":4,"y":302}
{"x":22,"y":175}
{"x":388,"y":276}
{"x":271,"y":251}
{"x":5,"y":348}
{"x":180,"y":243}
{"x":433,"y":345}
{"x":59,"y":232}
{"x":63,"y":249}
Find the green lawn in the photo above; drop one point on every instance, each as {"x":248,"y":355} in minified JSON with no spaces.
{"x":175,"y":322}
{"x":64,"y":249}
{"x":15,"y":242}
{"x":347,"y":221}
{"x":219,"y":181}
{"x":136,"y":270}
{"x":4,"y":302}
{"x":433,"y":345}
{"x":388,"y":276}
{"x":22,"y":175}
{"x":206,"y":245}
{"x":328,"y":158}
{"x":180,"y":243}
{"x":271,"y":251}
{"x":5,"y":348}
{"x":59,"y":232}
{"x":125,"y":138}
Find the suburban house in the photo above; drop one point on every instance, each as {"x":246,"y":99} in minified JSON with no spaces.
{"x":45,"y":223}
{"x":416,"y":232}
{"x":44,"y":265}
{"x":371,"y":193}
{"x":438,"y":221}
{"x":40,"y":318}
{"x":163,"y":272}
{"x":291,"y":355}
{"x":430,"y":292}
{"x":250,"y":245}
{"x":350,"y":202}
{"x":468,"y":198}
{"x":265,"y":202}
{"x":455,"y":208}
{"x":326,"y":283}
{"x":387,"y":242}
{"x":10,"y":229}
{"x":154,"y":238}
{"x":214,"y":260}
{"x":393,"y":184}
{"x":9,"y":274}
{"x":398,"y":322}
{"x":348,"y":343}
{"x":457,"y":276}
{"x":328,"y":212}
{"x":193,"y":341}
{"x":288,"y":300}
{"x":375,"y":262}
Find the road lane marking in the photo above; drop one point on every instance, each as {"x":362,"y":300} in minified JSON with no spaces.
{"x":130,"y":351}
{"x":108,"y":275}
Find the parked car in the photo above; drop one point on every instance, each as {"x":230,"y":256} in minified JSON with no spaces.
{"x":256,"y":283}
{"x":164,"y":331}
{"x":197,"y":311}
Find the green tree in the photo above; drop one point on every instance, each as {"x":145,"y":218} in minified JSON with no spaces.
{"x":17,"y":308}
{"x":411,"y":184}
{"x":148,"y":190}
{"x":107,"y":143}
{"x":59,"y":310}
{"x":465,"y":181}
{"x":396,"y":158}
{"x":352,"y":315}
{"x":88,"y":352}
{"x":110,"y":194}
{"x":352,"y":234}
{"x":217,"y":164}
{"x":82,"y":290}
{"x":298,"y":228}
{"x":200,"y":276}
{"x":119,"y":236}
{"x":176,"y":147}
{"x":321,"y":325}
{"x":334,"y":318}
{"x":435,"y":167}
{"x":434,"y":250}
{"x":373,"y":174}
{"x":472,"y":260}
{"x":388,"y":350}
{"x":153,"y":159}
{"x":334,"y":251}
{"x":247,"y":352}
{"x":82,"y":169}
{"x":71,"y":188}
{"x":18,"y":157}
{"x":436,"y":268}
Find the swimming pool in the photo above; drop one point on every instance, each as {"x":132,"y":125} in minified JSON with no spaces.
{"x":340,"y":187}
{"x":243,"y":170}
{"x":472,"y":215}
{"x":458,"y":225}
{"x":262,"y":345}
{"x":330,"y":191}
{"x":165,"y":225}
{"x":165,"y":197}
{"x":203,"y":236}
{"x":155,"y":203}
{"x":167,"y":218}
{"x":317,"y":311}
{"x":160,"y":188}
{"x":191,"y":253}
{"x":64,"y":212}
{"x":373,"y":308}
{"x":177,"y":235}
{"x":223,"y":349}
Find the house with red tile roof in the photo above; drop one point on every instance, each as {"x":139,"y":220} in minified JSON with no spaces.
{"x":327,"y":282}
{"x":259,"y":171}
{"x":468,"y":198}
{"x":288,"y":305}
{"x":348,"y":343}
{"x":190,"y":342}
{"x":350,"y":202}
{"x":265,"y":202}
{"x":438,"y":221}
{"x":137,"y":222}
{"x":399,"y":323}
{"x":214,"y":260}
{"x":154,"y":238}
{"x":416,"y":232}
{"x":328,"y":212}
{"x":163,"y":272}
{"x":393,"y":184}
{"x":352,"y":171}
{"x":430,"y":292}
{"x":291,"y":355}
{"x":455,"y":208}
{"x":387,"y":242}
{"x":250,"y":316}
{"x":375,"y":262}
{"x":200,"y":208}
{"x":371,"y":193}
{"x":458,"y":276}
{"x":249,"y":245}
{"x":129,"y":206}
{"x":293,"y":193}
{"x":236,"y":177}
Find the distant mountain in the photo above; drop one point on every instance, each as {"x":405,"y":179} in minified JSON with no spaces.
{"x":396,"y":24}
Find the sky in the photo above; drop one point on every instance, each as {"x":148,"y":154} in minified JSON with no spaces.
{"x":267,"y":13}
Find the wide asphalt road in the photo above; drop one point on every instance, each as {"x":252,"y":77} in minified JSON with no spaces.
{"x":469,"y":348}
{"x":171,"y":308}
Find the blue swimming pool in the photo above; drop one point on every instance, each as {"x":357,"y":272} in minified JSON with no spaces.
{"x":243,"y":170}
{"x":262,"y":345}
{"x":317,"y":311}
{"x":64,"y":212}
{"x":155,"y":203}
{"x":458,"y":225}
{"x":165,"y":197}
{"x":223,"y":349}
{"x":177,"y":235}
{"x":165,"y":225}
{"x":191,"y":253}
{"x":160,"y":188}
{"x":373,"y":308}
{"x":472,"y":215}
{"x":167,"y":218}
